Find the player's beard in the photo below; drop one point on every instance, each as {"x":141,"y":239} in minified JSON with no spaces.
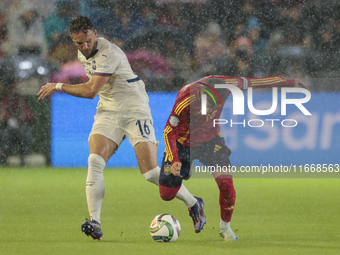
{"x":87,"y":52}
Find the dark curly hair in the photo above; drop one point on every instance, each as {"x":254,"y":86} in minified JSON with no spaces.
{"x":80,"y":23}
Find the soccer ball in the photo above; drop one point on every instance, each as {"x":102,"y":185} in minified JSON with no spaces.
{"x":165,"y":228}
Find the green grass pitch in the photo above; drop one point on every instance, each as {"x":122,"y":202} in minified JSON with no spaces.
{"x":41,"y":211}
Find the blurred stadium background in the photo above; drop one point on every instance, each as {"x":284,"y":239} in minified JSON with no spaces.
{"x":171,"y":43}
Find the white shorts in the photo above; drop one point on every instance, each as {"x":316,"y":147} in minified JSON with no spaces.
{"x":136,"y":131}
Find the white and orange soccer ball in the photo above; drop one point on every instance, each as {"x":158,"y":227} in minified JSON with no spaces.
{"x":165,"y":228}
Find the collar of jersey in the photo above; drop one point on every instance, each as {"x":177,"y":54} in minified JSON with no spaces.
{"x":94,"y":53}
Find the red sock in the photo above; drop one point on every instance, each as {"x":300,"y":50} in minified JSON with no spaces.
{"x":166,"y":193}
{"x":227,"y":196}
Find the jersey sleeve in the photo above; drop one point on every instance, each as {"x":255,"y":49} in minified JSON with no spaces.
{"x":107,"y":63}
{"x":258,"y":82}
{"x":266,"y":82}
{"x":179,"y":117}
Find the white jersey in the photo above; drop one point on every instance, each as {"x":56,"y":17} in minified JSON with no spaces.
{"x":124,"y":93}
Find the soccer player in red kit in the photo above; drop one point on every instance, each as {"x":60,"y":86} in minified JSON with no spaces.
{"x":190,"y":135}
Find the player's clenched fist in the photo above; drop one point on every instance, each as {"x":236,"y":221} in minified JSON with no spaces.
{"x":47,"y":90}
{"x":176,"y":169}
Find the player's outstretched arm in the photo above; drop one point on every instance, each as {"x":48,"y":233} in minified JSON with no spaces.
{"x":89,"y":89}
{"x":299,"y":83}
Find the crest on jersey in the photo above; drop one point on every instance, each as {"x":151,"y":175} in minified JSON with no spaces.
{"x":94,"y":65}
{"x":167,"y":169}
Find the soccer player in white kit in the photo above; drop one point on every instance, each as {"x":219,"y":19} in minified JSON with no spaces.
{"x":122,"y":111}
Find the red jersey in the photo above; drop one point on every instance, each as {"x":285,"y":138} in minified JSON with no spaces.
{"x":189,"y":127}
